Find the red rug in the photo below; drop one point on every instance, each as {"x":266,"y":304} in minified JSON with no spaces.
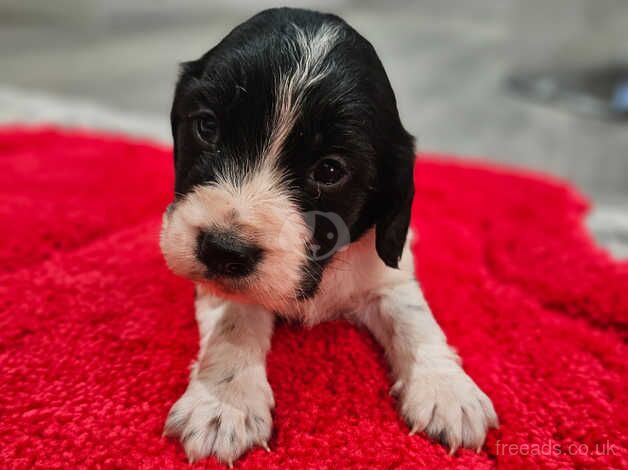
{"x":96,"y":335}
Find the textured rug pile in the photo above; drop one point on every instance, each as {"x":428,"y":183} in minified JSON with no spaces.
{"x":96,"y":335}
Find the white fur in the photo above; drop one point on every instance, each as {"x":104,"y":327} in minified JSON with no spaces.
{"x":435,"y":394}
{"x":312,"y":47}
{"x":264,"y":213}
{"x":226,"y":408}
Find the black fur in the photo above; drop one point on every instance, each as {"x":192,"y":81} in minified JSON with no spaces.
{"x":352,"y":113}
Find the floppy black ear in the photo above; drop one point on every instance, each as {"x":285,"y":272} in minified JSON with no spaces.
{"x":397,"y":192}
{"x":187,"y":71}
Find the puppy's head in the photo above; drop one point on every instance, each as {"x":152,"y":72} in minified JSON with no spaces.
{"x":287,"y":147}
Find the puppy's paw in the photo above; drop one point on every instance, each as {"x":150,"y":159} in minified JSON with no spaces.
{"x":221,"y":421}
{"x":447,"y":405}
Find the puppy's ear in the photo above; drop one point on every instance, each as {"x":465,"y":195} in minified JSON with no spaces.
{"x":397,"y":193}
{"x":187,"y":71}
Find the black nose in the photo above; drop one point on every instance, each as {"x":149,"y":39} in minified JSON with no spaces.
{"x":225,"y":254}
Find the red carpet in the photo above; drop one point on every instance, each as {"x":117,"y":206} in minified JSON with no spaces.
{"x":96,"y":335}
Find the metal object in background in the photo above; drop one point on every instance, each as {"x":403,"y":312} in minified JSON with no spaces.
{"x":598,"y":91}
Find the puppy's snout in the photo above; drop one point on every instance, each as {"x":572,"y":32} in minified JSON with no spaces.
{"x":226,"y":255}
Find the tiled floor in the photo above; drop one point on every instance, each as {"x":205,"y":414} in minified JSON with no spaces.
{"x":447,"y":61}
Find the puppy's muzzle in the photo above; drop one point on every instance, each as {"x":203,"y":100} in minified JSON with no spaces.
{"x":226,"y":255}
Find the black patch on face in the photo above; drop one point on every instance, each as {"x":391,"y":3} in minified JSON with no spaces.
{"x":311,"y":278}
{"x":351,"y":113}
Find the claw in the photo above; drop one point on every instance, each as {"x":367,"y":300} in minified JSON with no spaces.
{"x":264,"y":446}
{"x":230,"y":463}
{"x":394,"y":390}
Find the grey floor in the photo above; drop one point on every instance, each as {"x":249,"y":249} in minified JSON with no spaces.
{"x":447,"y":61}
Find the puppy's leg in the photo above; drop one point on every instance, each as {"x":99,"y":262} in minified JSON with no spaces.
{"x":435,"y":394}
{"x":226,"y":408}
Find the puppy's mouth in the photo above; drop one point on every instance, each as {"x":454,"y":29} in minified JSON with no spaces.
{"x":226,"y":288}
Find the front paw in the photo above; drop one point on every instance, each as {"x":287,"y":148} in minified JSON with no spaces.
{"x":221,"y":421}
{"x":447,"y":405}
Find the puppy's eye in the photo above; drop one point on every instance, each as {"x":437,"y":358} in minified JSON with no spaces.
{"x":206,"y":128}
{"x":329,"y":171}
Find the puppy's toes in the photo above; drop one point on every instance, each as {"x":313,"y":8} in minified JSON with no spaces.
{"x":208,"y":425}
{"x":449,"y":407}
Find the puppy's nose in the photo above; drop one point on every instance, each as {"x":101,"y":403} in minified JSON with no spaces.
{"x":225,"y":254}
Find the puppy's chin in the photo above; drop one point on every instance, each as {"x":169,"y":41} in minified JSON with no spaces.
{"x":225,"y":291}
{"x":256,"y":292}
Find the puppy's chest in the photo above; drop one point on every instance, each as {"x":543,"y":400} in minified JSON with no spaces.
{"x":326,"y":305}
{"x":346,"y":286}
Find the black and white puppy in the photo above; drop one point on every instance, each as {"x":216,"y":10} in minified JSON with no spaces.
{"x":293,"y":187}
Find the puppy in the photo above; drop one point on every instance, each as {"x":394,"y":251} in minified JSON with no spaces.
{"x":293,"y":188}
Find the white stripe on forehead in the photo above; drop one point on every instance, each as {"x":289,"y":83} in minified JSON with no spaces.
{"x":311,"y":47}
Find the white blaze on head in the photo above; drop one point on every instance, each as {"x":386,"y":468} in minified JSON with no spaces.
{"x":312,"y":48}
{"x":253,"y":200}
